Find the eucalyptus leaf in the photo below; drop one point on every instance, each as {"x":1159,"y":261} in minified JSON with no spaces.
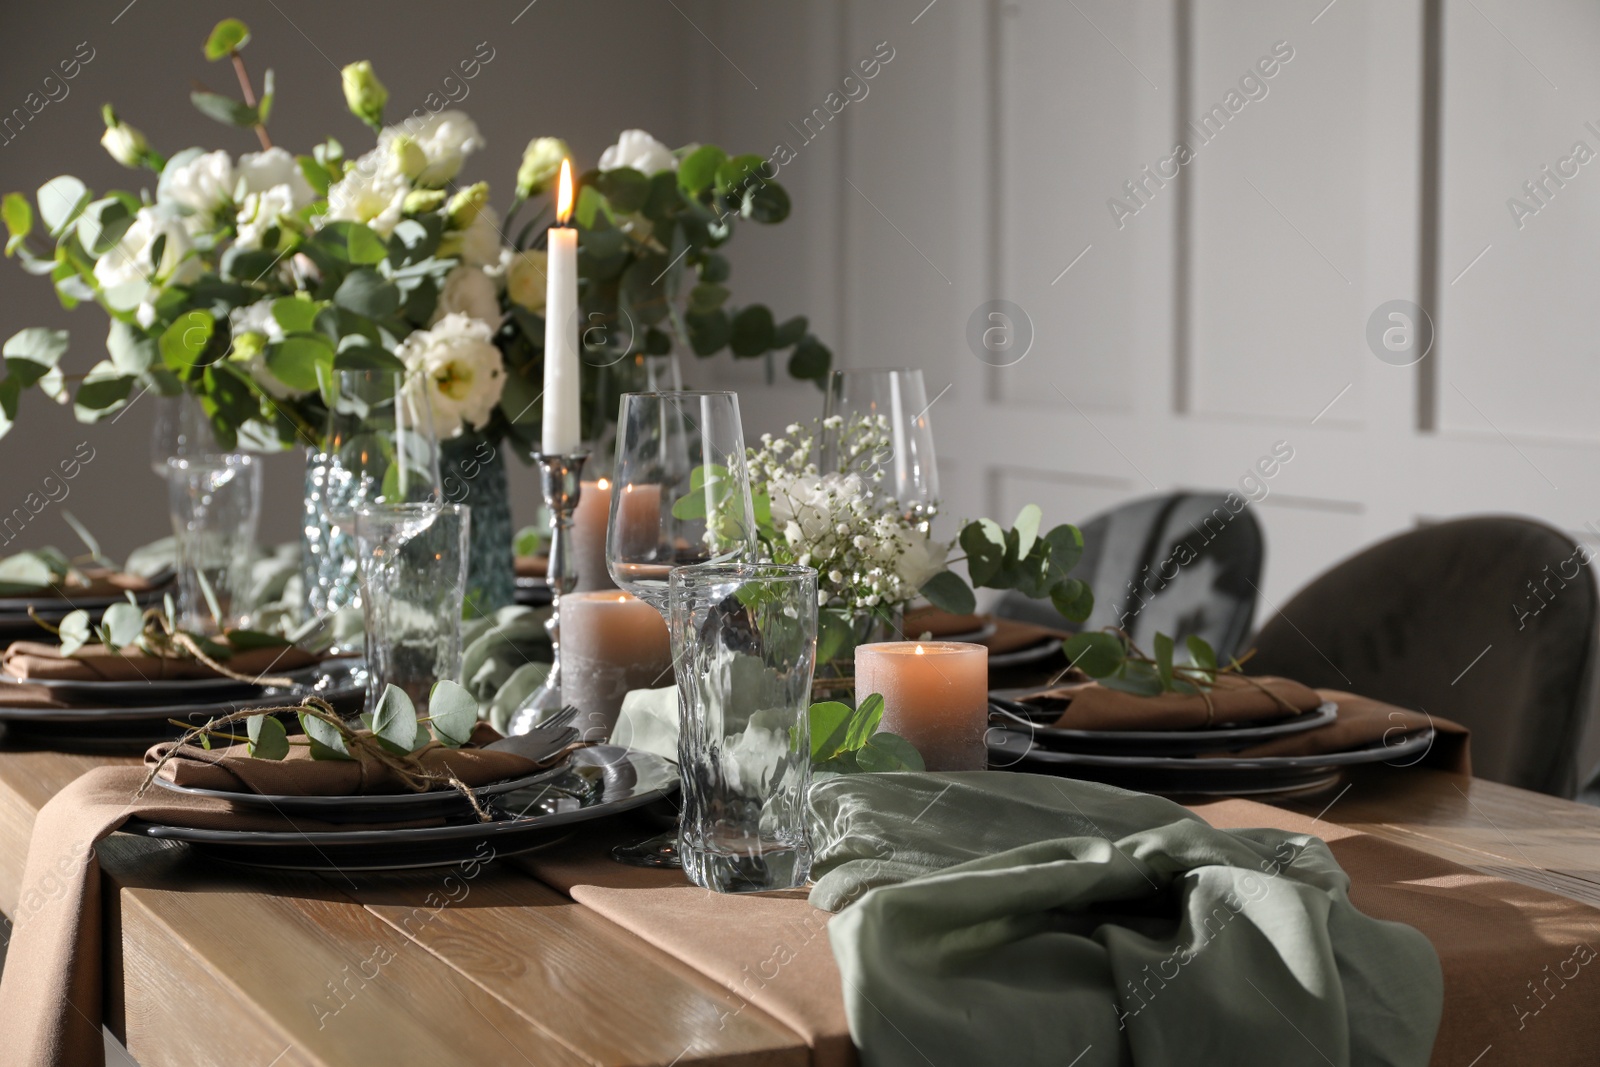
{"x":1163,"y":654}
{"x":224,"y":109}
{"x":864,"y":722}
{"x":453,"y":712}
{"x":395,"y":720}
{"x":830,"y":725}
{"x":122,"y":623}
{"x":74,"y":631}
{"x":1099,"y":655}
{"x":699,"y":169}
{"x":32,"y":353}
{"x":947,"y":592}
{"x":1027,"y":527}
{"x":18,"y":215}
{"x":753,"y":331}
{"x":326,"y":741}
{"x":60,"y":200}
{"x":889,"y":752}
{"x":131,"y":350}
{"x":268,"y":738}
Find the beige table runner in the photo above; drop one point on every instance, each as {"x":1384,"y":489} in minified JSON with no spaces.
{"x":1516,"y":960}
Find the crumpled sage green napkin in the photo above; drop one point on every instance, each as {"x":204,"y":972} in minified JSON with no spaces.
{"x":991,"y":917}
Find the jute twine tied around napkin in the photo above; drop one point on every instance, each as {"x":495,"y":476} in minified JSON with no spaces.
{"x":50,"y":990}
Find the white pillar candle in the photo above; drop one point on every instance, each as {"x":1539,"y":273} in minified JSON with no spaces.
{"x":560,"y":427}
{"x":589,"y":521}
{"x":935,"y":695}
{"x":610,"y":643}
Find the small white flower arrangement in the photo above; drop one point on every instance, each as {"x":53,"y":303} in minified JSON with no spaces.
{"x":870,"y":556}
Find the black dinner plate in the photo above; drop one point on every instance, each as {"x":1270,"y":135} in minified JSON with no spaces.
{"x":601,"y":781}
{"x":1005,"y":714}
{"x":1189,"y":776}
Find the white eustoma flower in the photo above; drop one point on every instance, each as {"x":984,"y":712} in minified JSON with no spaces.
{"x":637,"y":149}
{"x":454,"y":365}
{"x":371,"y":192}
{"x":446,"y":138}
{"x":260,"y":212}
{"x":922,"y":557}
{"x":480,"y":241}
{"x":258,"y":172}
{"x":129,"y":260}
{"x":200,"y":185}
{"x":470,"y":292}
{"x":526,"y":282}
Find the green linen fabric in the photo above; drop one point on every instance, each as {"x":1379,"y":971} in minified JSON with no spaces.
{"x":991,"y":917}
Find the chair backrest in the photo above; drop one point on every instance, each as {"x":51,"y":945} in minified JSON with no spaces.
{"x":1180,"y":564}
{"x":1488,"y":621}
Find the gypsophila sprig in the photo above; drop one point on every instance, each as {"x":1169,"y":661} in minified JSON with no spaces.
{"x":869,"y":556}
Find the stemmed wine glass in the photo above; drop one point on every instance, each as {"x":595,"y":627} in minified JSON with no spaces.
{"x":898,"y":398}
{"x":680,"y":496}
{"x":681,"y":490}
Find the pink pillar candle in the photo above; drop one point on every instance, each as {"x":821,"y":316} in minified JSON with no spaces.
{"x":610,"y":643}
{"x":589,"y":521}
{"x":935,"y":695}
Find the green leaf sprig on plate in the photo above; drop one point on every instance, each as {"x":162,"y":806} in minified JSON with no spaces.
{"x":393,"y":735}
{"x":1111,"y":658}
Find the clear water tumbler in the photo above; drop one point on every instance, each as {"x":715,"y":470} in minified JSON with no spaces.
{"x":744,"y":638}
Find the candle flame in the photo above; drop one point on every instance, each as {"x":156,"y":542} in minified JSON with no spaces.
{"x":920,"y":652}
{"x":602,"y":484}
{"x":564,"y":194}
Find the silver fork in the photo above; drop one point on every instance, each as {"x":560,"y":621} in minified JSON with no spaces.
{"x":559,"y":719}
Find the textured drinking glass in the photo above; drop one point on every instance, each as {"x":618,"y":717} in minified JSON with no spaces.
{"x":899,"y":398}
{"x":681,"y":490}
{"x":215,"y":502}
{"x":413,"y":580}
{"x":744,"y":637}
{"x":180,"y":431}
{"x":378,"y":448}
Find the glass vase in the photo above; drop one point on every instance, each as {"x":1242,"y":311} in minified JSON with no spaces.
{"x":473,"y":472}
{"x":839,"y":632}
{"x":378,"y":448}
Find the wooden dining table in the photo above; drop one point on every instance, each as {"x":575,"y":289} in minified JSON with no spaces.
{"x":209,"y":963}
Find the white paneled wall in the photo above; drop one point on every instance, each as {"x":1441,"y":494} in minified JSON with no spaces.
{"x":1225,"y":309}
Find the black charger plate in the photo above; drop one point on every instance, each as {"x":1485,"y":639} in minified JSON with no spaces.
{"x":1180,"y":776}
{"x":1006,"y":713}
{"x":602,"y":781}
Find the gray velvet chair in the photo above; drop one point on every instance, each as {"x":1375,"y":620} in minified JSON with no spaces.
{"x":1180,"y":563}
{"x":1489,"y":621}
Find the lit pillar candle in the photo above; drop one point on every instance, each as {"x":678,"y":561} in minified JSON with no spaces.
{"x":589,"y":536}
{"x":610,"y":643}
{"x":560,"y":430}
{"x":637,"y":526}
{"x":935,"y":695}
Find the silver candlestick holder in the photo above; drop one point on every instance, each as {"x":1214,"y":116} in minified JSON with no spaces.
{"x":560,"y":480}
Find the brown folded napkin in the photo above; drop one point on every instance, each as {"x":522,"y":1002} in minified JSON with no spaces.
{"x":96,"y":581}
{"x":1361,"y":721}
{"x":1009,"y":635}
{"x":531,"y":566}
{"x":93,"y":663}
{"x":50,"y":1005}
{"x":232,"y":769}
{"x":1092,"y":706}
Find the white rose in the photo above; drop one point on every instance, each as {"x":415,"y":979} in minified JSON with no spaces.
{"x":456,"y":367}
{"x":259,"y":172}
{"x":637,"y":149}
{"x":369,"y":193}
{"x":470,"y":292}
{"x":259,"y":213}
{"x":200,"y":185}
{"x":129,"y":260}
{"x":446,"y":139}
